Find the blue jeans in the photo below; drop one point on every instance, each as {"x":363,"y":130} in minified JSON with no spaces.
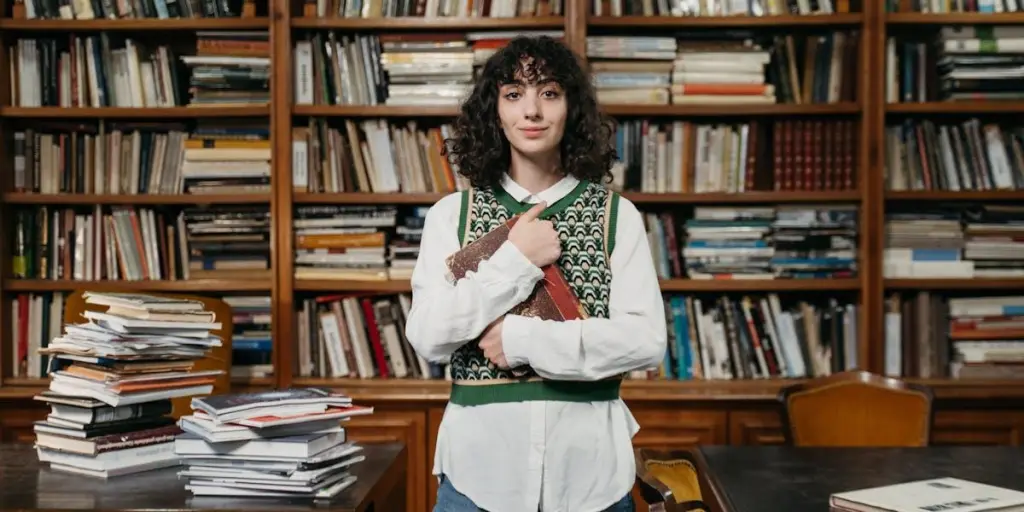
{"x":451,"y":500}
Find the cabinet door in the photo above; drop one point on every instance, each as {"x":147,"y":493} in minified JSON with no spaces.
{"x":16,"y":418}
{"x":978,"y":428}
{"x":755,"y":427}
{"x":407,"y":426}
{"x":670,"y":427}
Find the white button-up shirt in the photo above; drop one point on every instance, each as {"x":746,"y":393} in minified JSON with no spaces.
{"x":546,"y":455}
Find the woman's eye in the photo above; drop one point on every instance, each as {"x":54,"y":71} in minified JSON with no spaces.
{"x":550,"y":94}
{"x":511,"y":95}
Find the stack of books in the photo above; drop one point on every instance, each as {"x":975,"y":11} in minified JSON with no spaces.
{"x":113,"y":377}
{"x":275,"y":444}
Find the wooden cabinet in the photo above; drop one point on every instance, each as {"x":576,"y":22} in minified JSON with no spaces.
{"x":755,"y":427}
{"x":984,"y":427}
{"x":403,"y":424}
{"x":665,"y":427}
{"x":16,"y":420}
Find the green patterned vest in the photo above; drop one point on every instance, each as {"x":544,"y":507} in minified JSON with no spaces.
{"x":585,"y":221}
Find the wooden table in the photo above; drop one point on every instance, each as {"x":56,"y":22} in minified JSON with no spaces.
{"x":746,"y":478}
{"x":27,"y":485}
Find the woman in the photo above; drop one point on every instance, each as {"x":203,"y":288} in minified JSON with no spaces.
{"x":531,"y":141}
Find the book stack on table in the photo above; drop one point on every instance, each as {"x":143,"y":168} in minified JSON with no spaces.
{"x":284,"y":444}
{"x":112,"y":379}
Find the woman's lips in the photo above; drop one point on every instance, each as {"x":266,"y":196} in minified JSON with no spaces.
{"x":532,"y":133}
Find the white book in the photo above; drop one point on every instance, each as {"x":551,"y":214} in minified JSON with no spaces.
{"x":934,"y":494}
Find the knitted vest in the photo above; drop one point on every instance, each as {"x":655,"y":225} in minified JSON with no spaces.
{"x":585,"y":222}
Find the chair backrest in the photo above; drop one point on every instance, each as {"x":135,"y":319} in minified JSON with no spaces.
{"x":219,"y":358}
{"x":857,"y":408}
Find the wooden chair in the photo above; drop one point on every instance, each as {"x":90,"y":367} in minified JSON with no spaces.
{"x":219,"y":358}
{"x":667,"y":480}
{"x":856,"y":408}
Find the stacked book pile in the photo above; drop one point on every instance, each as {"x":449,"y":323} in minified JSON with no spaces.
{"x":721,"y":71}
{"x":223,"y":157}
{"x":985,"y":336}
{"x":980,"y":64}
{"x":422,"y":72}
{"x":729,"y":243}
{"x":230,"y":69}
{"x":286,"y":444}
{"x":994,"y":240}
{"x":112,"y":380}
{"x":925,"y":244}
{"x":632,"y":70}
{"x":343,"y":242}
{"x":227,"y":241}
{"x":404,"y":247}
{"x":815,"y":242}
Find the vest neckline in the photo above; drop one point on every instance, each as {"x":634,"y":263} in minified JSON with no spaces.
{"x":516,"y":207}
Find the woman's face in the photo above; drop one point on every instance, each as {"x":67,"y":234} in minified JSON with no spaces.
{"x":533,"y":117}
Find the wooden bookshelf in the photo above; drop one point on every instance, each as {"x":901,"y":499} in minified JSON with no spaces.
{"x":708,"y":411}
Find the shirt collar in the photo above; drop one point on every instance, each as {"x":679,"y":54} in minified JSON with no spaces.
{"x":550,"y":195}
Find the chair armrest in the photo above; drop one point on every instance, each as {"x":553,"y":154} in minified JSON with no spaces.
{"x":668,"y":480}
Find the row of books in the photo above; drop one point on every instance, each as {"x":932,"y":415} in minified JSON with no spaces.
{"x":37,"y":318}
{"x":955,"y":241}
{"x":431,"y":9}
{"x":740,"y":67}
{"x":111,"y":70}
{"x":710,"y":337}
{"x":785,"y":242}
{"x":393,"y":69}
{"x":782,"y":155}
{"x":134,"y":9}
{"x":213,"y":157}
{"x":954,"y":6}
{"x":723,"y":7}
{"x":140,"y":243}
{"x":954,"y":155}
{"x":959,"y":63}
{"x":931,"y":336}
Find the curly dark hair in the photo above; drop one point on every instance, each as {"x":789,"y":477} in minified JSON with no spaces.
{"x":478,"y":147}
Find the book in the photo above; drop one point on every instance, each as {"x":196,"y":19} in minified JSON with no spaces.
{"x":932,"y":494}
{"x":551,"y":299}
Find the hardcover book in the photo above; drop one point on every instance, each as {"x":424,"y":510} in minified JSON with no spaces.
{"x":552,"y":298}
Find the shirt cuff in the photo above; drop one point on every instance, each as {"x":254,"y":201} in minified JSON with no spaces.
{"x":515,"y":339}
{"x":511,"y":261}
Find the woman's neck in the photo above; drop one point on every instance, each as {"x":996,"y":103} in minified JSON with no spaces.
{"x":535,"y":175}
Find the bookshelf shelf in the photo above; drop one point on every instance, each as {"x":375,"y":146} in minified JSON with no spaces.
{"x":191,"y":285}
{"x":753,"y":197}
{"x":955,"y":195}
{"x":724,"y":110}
{"x":974,"y":283}
{"x":444,"y":23}
{"x":130,"y":199}
{"x":636,"y":197}
{"x":724,"y":21}
{"x":134,"y":113}
{"x":667,"y":285}
{"x":959,"y":107}
{"x":373,"y":111}
{"x":758,"y":285}
{"x":964,"y":18}
{"x":138,"y":25}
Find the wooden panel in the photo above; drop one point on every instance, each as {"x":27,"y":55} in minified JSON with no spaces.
{"x":670,"y":428}
{"x":434,"y":415}
{"x":16,"y":421}
{"x":978,"y":428}
{"x":405,"y":425}
{"x":755,"y":427}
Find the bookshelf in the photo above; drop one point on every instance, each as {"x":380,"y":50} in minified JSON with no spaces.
{"x":670,"y":411}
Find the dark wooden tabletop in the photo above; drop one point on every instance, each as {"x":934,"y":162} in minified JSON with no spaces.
{"x":27,"y":485}
{"x":746,"y":478}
